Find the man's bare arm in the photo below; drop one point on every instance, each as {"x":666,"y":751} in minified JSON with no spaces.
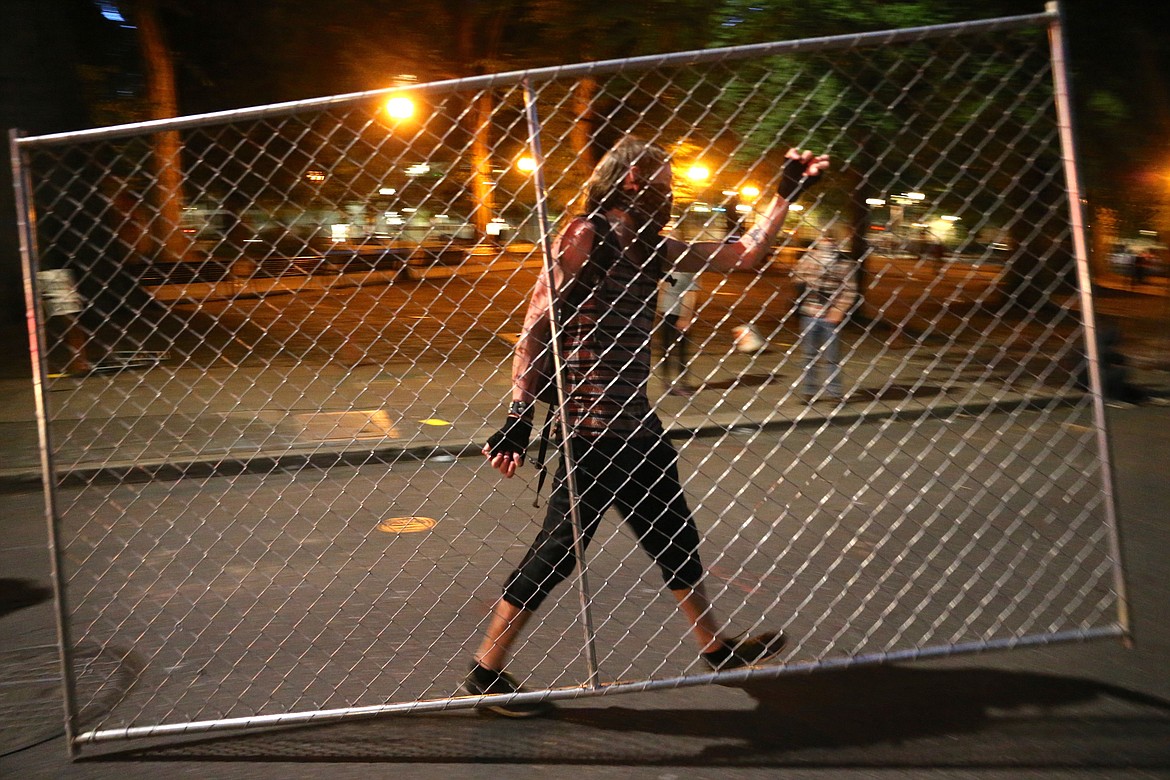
{"x":755,"y":246}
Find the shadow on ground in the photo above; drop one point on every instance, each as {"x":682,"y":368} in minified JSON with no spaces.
{"x":877,"y":716}
{"x":16,"y":594}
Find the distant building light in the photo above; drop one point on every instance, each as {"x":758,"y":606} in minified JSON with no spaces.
{"x":409,"y":210}
{"x":915,"y":196}
{"x":315,"y":175}
{"x":742,"y":208}
{"x":339,"y":233}
{"x":796,"y":207}
{"x":750,"y":191}
{"x":387,"y":191}
{"x":1148,"y":232}
{"x":110,"y":11}
{"x":875,"y":201}
{"x":418,"y":169}
{"x":949,"y":218}
{"x":698,"y":172}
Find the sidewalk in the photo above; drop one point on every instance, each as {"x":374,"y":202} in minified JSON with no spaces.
{"x":175,"y":419}
{"x":178,"y":420}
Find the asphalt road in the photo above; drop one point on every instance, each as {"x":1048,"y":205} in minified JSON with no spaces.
{"x":303,"y":561}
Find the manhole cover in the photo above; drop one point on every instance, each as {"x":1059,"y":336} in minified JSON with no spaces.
{"x":406,"y":525}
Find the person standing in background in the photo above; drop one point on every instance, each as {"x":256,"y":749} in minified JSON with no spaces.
{"x":827,"y":285}
{"x":678,"y":295}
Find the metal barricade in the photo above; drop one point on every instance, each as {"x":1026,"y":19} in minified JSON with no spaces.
{"x":282,"y":515}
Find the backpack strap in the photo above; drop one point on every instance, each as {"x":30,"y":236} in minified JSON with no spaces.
{"x":546,"y":433}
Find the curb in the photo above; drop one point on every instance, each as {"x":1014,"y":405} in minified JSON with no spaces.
{"x":151,"y":470}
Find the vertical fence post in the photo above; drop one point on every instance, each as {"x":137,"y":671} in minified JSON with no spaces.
{"x":558,"y":373}
{"x":1088,"y":313}
{"x":38,"y":350}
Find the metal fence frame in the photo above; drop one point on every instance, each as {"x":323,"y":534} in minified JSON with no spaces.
{"x":53,"y":476}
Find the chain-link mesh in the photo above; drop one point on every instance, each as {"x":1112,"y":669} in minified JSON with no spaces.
{"x":296,"y":330}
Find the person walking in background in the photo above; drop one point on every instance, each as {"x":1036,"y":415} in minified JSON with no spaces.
{"x":827,"y":287}
{"x":1123,"y":261}
{"x":678,"y":295}
{"x":1141,"y":266}
{"x":606,"y":267}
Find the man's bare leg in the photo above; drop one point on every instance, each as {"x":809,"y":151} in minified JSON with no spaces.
{"x":506,"y":624}
{"x":695,"y":605}
{"x":718,"y":651}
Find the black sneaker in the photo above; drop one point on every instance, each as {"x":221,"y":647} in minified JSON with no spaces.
{"x":747,"y":651}
{"x":485,"y":682}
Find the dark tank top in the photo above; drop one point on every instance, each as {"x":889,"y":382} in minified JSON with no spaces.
{"x":607,"y":317}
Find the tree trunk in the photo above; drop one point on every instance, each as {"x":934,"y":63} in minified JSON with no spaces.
{"x":1103,"y":233}
{"x":584,"y":125}
{"x":482,"y":184}
{"x":167,"y":192}
{"x":858,"y":210}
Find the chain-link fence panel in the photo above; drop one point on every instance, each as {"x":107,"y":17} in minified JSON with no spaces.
{"x":274,"y":341}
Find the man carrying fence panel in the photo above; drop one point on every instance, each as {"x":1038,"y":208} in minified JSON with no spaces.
{"x":605,"y":271}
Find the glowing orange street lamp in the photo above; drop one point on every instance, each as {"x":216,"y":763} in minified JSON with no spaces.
{"x":400,"y":107}
{"x":698,"y":173}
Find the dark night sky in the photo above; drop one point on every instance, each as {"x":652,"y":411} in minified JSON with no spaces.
{"x":1123,"y":45}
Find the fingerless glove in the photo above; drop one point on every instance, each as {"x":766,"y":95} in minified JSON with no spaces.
{"x":513,"y":438}
{"x":793,"y":180}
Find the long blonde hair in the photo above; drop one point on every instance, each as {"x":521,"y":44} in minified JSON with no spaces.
{"x":604,"y":187}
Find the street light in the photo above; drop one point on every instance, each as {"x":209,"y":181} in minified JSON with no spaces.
{"x":698,"y":173}
{"x":400,"y":107}
{"x":525,"y":164}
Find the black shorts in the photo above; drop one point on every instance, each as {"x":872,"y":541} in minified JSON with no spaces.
{"x":638,"y":477}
